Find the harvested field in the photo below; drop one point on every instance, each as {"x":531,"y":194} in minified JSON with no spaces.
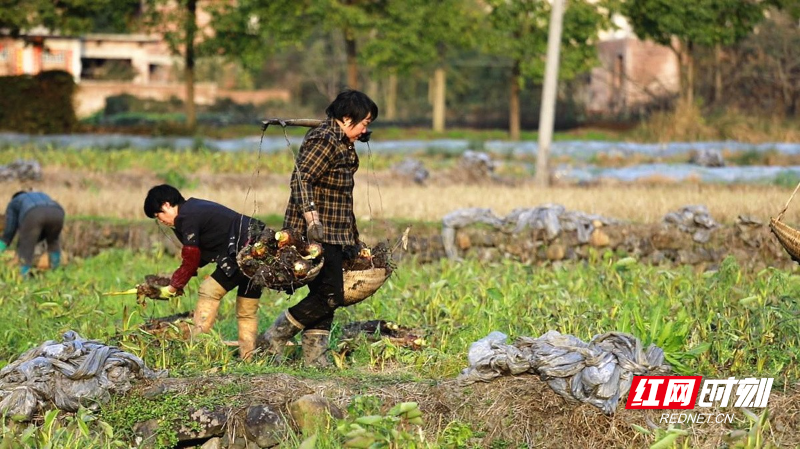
{"x":383,"y":195}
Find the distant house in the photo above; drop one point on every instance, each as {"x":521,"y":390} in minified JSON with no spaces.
{"x":632,"y":74}
{"x":105,"y":65}
{"x":146,"y":57}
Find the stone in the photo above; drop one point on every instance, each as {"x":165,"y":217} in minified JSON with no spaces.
{"x":311,"y":411}
{"x":207,"y":423}
{"x":463,"y":241}
{"x":599,"y":238}
{"x":145,"y":433}
{"x":212,"y":443}
{"x":555,"y":252}
{"x":264,"y":425}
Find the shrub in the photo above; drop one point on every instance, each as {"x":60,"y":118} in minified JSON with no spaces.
{"x":40,"y":104}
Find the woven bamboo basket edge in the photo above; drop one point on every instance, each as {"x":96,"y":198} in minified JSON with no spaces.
{"x":787,"y":236}
{"x":360,"y":285}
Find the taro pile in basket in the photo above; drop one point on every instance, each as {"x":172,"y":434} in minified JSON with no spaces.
{"x":284,"y":261}
{"x":280,"y":260}
{"x":366,"y":271}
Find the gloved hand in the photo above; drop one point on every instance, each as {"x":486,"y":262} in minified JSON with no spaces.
{"x":314,"y":231}
{"x":3,"y":246}
{"x":166,"y":293}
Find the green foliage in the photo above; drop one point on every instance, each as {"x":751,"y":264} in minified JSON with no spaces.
{"x":65,"y":16}
{"x":40,"y":104}
{"x":177,"y":179}
{"x":786,"y":178}
{"x":703,"y":22}
{"x":721,"y":323}
{"x":414,"y":34}
{"x":81,"y":430}
{"x":169,"y":410}
{"x":394,"y":429}
{"x":519,"y":32}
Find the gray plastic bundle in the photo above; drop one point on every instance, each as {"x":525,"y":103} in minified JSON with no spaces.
{"x":598,"y":373}
{"x":69,"y":374}
{"x":21,"y":170}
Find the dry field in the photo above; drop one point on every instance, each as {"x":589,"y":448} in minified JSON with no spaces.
{"x":382,"y":196}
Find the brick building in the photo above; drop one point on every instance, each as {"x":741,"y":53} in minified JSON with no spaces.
{"x":632,"y":74}
{"x":142,"y":63}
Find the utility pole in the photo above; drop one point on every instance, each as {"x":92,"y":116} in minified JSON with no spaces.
{"x":548,"y":109}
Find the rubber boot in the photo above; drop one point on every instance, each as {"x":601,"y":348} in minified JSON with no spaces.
{"x":24,"y":270}
{"x":274,"y":339}
{"x":247,"y":319}
{"x":315,"y":348}
{"x":208,"y":300}
{"x":55,"y":259}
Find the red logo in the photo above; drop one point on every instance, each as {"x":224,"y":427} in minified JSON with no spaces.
{"x":663,"y":392}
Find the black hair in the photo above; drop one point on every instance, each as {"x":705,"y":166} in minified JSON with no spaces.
{"x":159,"y":195}
{"x":352,"y":104}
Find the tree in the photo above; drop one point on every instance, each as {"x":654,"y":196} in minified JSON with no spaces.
{"x":249,"y":31}
{"x":519,"y":32}
{"x":253,"y":29}
{"x":176,"y":21}
{"x":68,"y":17}
{"x":419,"y":35}
{"x":682,"y":24}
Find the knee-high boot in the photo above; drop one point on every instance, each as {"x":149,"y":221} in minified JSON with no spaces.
{"x":315,"y":348}
{"x":247,"y":320}
{"x":208,"y":300}
{"x":274,"y":339}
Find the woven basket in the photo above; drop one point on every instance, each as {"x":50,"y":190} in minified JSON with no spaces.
{"x":360,"y":285}
{"x":788,"y":237}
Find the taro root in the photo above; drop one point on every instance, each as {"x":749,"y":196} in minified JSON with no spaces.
{"x":365,"y":258}
{"x":279,"y":260}
{"x":151,"y":288}
{"x":301,"y":268}
{"x":290,"y":237}
{"x":313,"y":251}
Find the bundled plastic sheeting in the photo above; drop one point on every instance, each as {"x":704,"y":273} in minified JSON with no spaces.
{"x":598,"y":373}
{"x":20,"y":170}
{"x":70,"y":374}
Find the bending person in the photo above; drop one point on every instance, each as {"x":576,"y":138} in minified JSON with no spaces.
{"x":36,"y":217}
{"x":209,"y":232}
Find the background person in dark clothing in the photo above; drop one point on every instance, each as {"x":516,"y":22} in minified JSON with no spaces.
{"x":37,"y":217}
{"x":321,"y":202}
{"x":209,"y":232}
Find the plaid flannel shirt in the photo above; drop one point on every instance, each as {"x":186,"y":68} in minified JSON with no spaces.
{"x":322,"y":180}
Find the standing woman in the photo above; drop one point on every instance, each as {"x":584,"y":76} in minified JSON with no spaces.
{"x":37,"y":217}
{"x":321,"y":202}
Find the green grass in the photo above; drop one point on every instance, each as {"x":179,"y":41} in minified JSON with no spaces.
{"x":747,"y":323}
{"x":723,"y":323}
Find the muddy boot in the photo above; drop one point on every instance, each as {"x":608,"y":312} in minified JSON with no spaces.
{"x":247,"y":318}
{"x":273,"y":340}
{"x":315,"y":348}
{"x":208,"y":300}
